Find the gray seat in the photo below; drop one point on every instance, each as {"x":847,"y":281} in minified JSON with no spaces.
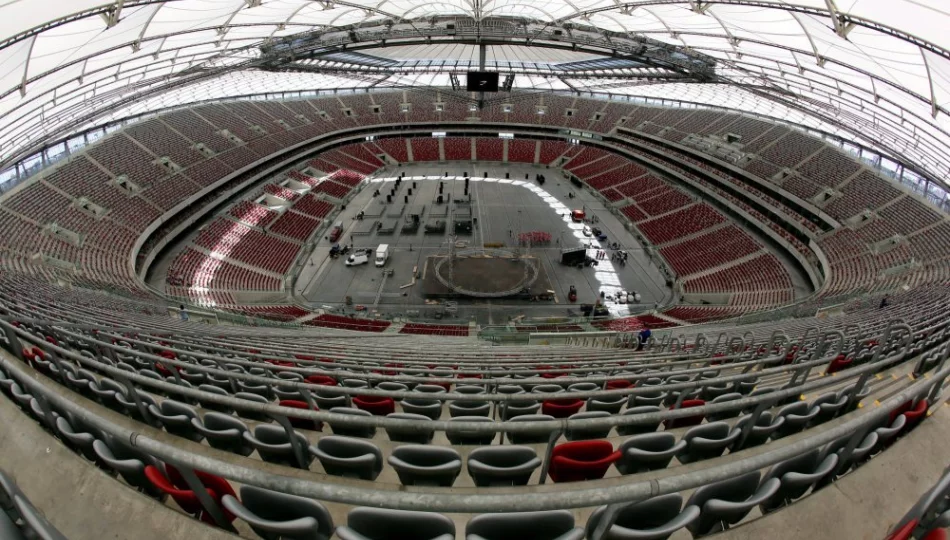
{"x":283,"y":393}
{"x":266,"y":391}
{"x":611,"y":405}
{"x":8,"y":529}
{"x":764,"y":427}
{"x":77,"y":439}
{"x":502,"y":465}
{"x":829,"y":406}
{"x":275,"y":516}
{"x":327,"y":401}
{"x":223,"y":432}
{"x":797,"y":476}
{"x":725,"y":503}
{"x":430,"y":408}
{"x":549,"y":525}
{"x":579,"y":434}
{"x":635,"y":429}
{"x":273,"y":445}
{"x":339,"y":428}
{"x":653,"y":397}
{"x":888,"y":433}
{"x":653,"y":519}
{"x":392,"y":386}
{"x":176,"y":418}
{"x":364,"y":523}
{"x":251,"y":414}
{"x":797,"y":416}
{"x":514,"y":409}
{"x":409,"y":435}
{"x":583,"y":387}
{"x":210,"y":405}
{"x":529,"y":438}
{"x":346,"y":456}
{"x":547,"y":388}
{"x":860,"y":453}
{"x":35,"y":521}
{"x":22,"y":397}
{"x":710,"y":392}
{"x":469,"y":408}
{"x":130,"y":465}
{"x":355,"y":383}
{"x":648,"y":452}
{"x":707,"y":441}
{"x":467,"y":437}
{"x":426,"y":465}
{"x":724,"y":415}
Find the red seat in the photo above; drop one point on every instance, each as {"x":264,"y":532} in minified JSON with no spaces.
{"x":174,"y":484}
{"x":322,"y":380}
{"x":915,"y":415}
{"x":673,"y":423}
{"x":617,"y":385}
{"x":561,"y":408}
{"x":301,"y":423}
{"x":581,"y":460}
{"x":936,"y":534}
{"x":841,"y":362}
{"x":378,"y":405}
{"x":905,"y":532}
{"x":901,"y":409}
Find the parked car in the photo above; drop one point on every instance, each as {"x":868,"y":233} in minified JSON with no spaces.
{"x":357,"y":258}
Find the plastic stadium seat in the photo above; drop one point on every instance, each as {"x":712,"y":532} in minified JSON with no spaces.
{"x":266,"y":391}
{"x":411,"y":435}
{"x":561,"y":408}
{"x":841,"y":362}
{"x":502,"y":465}
{"x":585,"y":433}
{"x":339,"y":428}
{"x":617,"y":384}
{"x":654,"y":397}
{"x":176,"y":418}
{"x":377,"y":405}
{"x":529,"y":438}
{"x":707,"y":441}
{"x":77,"y":438}
{"x":653,"y":519}
{"x":608,"y":404}
{"x":467,"y":437}
{"x":514,"y":409}
{"x":634,"y":429}
{"x":829,"y":406}
{"x":173,"y":484}
{"x":469,"y":408}
{"x":34,"y":521}
{"x":392,"y":386}
{"x":273,"y":445}
{"x":583,"y":387}
{"x":889,"y":433}
{"x":426,"y":465}
{"x":549,"y":525}
{"x":129,"y":465}
{"x":724,"y":415}
{"x":346,"y":456}
{"x":648,"y":452}
{"x":253,"y":414}
{"x":207,"y":404}
{"x":916,"y":414}
{"x":8,"y":528}
{"x":274,"y":515}
{"x":301,"y":423}
{"x":364,"y":523}
{"x":725,"y":503}
{"x":581,"y":460}
{"x":328,"y":401}
{"x":764,"y":427}
{"x":860,"y":453}
{"x":429,"y":408}
{"x":674,"y":423}
{"x":321,"y":380}
{"x":223,"y":432}
{"x":797,"y":416}
{"x":798,"y":475}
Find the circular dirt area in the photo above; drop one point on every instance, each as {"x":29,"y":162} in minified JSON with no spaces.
{"x":487,"y":276}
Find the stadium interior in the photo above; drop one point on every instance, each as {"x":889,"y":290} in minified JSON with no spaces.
{"x":480,"y":269}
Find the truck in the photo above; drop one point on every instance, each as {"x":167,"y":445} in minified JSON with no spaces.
{"x":336,"y":232}
{"x":382,"y":254}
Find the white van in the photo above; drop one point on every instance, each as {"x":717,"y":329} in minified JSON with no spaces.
{"x":382,"y":254}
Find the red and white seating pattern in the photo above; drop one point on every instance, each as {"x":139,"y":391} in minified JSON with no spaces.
{"x":193,"y":269}
{"x":253,"y":214}
{"x":425,"y":149}
{"x":162,"y":141}
{"x":679,"y":224}
{"x":346,"y":177}
{"x":763,"y":273}
{"x":434,"y":329}
{"x":521,"y":151}
{"x":313,"y":207}
{"x":395,"y":147}
{"x":240,"y":243}
{"x":281,"y":192}
{"x":332,"y":189}
{"x":294,"y":225}
{"x":348,"y":323}
{"x":708,"y":251}
{"x":487,"y":149}
{"x":457,"y":148}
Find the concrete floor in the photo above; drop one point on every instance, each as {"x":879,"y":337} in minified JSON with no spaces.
{"x":502,"y":208}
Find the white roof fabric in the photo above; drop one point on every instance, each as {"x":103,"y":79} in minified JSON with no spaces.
{"x":880,"y":67}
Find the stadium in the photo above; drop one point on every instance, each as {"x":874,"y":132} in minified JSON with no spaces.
{"x":481,"y":269}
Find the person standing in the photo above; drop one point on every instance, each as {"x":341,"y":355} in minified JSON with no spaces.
{"x":643,"y":337}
